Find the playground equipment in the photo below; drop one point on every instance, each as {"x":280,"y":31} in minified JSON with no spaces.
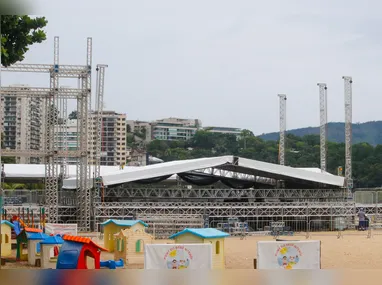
{"x":52,"y":243}
{"x":289,"y":255}
{"x":130,"y":243}
{"x":29,"y":238}
{"x":112,"y":227}
{"x":210,"y":236}
{"x":76,"y":251}
{"x":111,"y":264}
{"x":5,"y":238}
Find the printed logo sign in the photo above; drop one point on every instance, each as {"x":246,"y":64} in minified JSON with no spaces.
{"x":288,"y":255}
{"x":178,"y":257}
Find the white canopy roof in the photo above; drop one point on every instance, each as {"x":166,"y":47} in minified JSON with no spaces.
{"x":229,"y":163}
{"x":113,"y":175}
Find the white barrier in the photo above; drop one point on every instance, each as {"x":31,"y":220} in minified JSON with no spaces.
{"x":289,"y":254}
{"x":178,"y":256}
{"x":61,"y":229}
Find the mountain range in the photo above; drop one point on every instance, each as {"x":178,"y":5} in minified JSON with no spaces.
{"x":369,"y":132}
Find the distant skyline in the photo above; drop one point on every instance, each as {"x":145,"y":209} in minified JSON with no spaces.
{"x":222,"y":62}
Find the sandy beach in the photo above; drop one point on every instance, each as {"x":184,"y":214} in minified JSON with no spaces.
{"x":353,"y":250}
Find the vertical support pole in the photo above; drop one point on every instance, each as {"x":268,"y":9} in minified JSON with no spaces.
{"x":51,"y":169}
{"x":323,"y":124}
{"x":83,"y":170}
{"x":348,"y":81}
{"x":99,"y":114}
{"x":282,"y":128}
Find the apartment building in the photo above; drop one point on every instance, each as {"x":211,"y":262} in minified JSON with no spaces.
{"x":113,"y":149}
{"x":21,"y":123}
{"x":175,"y":128}
{"x":66,"y":136}
{"x":224,"y":130}
{"x":141,"y":128}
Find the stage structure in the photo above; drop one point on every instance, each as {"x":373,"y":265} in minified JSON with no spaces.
{"x":55,"y":153}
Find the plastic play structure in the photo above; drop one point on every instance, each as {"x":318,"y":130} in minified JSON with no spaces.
{"x":76,"y":251}
{"x":111,"y":264}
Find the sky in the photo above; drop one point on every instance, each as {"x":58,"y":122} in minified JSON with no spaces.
{"x":222,"y":62}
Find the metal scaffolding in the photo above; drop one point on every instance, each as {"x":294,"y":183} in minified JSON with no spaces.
{"x":282,"y":128}
{"x":55,"y":99}
{"x":323,"y":123}
{"x":348,"y":134}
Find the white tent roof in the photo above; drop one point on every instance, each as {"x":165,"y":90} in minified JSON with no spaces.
{"x":112,"y":175}
{"x":230,"y":163}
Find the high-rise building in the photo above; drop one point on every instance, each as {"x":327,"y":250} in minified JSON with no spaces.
{"x":113,"y":149}
{"x":21,"y":122}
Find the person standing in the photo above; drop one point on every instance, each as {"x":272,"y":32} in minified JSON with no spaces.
{"x":361,"y":219}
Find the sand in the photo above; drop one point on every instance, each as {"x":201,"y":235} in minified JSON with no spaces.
{"x":351,"y":251}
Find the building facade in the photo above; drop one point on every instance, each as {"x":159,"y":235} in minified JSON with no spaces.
{"x":175,"y":129}
{"x":21,"y":122}
{"x":224,"y":130}
{"x":66,"y":137}
{"x":113,"y":148}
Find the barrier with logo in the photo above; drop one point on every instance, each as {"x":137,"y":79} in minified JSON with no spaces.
{"x":61,"y":229}
{"x":289,"y":255}
{"x":178,"y":256}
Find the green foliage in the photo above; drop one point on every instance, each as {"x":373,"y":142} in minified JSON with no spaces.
{"x":301,"y":152}
{"x":73,"y":115}
{"x":17,"y":34}
{"x":370,"y":132}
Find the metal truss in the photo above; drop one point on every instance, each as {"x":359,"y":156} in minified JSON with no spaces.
{"x":39,"y":153}
{"x":348,"y":133}
{"x":69,"y":93}
{"x":98,"y":122}
{"x":55,"y":98}
{"x":176,"y":193}
{"x":323,"y":123}
{"x":83,"y":167}
{"x":66,"y":71}
{"x":282,"y":119}
{"x":235,"y":175}
{"x":226,"y":210}
{"x":162,"y":226}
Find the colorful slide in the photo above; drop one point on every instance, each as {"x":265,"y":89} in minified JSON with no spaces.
{"x":17,"y":228}
{"x":111,"y":264}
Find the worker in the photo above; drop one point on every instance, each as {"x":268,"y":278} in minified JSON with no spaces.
{"x":361,"y":220}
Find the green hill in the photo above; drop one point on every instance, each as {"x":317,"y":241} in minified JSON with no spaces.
{"x":369,"y":132}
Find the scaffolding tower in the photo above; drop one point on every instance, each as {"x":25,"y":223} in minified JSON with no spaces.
{"x":55,"y":99}
{"x":282,"y":119}
{"x":323,"y":123}
{"x":348,"y":134}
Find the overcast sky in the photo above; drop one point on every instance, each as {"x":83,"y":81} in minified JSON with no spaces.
{"x":223,"y":62}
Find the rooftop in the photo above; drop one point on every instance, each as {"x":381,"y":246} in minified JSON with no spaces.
{"x":53,"y":240}
{"x":124,"y":223}
{"x":202,"y":233}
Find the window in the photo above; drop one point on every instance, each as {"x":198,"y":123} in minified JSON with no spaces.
{"x":139,"y":246}
{"x":217,"y":247}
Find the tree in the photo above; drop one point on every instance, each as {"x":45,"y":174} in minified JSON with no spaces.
{"x":73,"y":115}
{"x":17,"y":34}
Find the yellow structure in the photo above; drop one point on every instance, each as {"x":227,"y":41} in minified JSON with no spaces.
{"x":5,"y":238}
{"x":130,"y":245}
{"x":208,"y":235}
{"x":112,"y":227}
